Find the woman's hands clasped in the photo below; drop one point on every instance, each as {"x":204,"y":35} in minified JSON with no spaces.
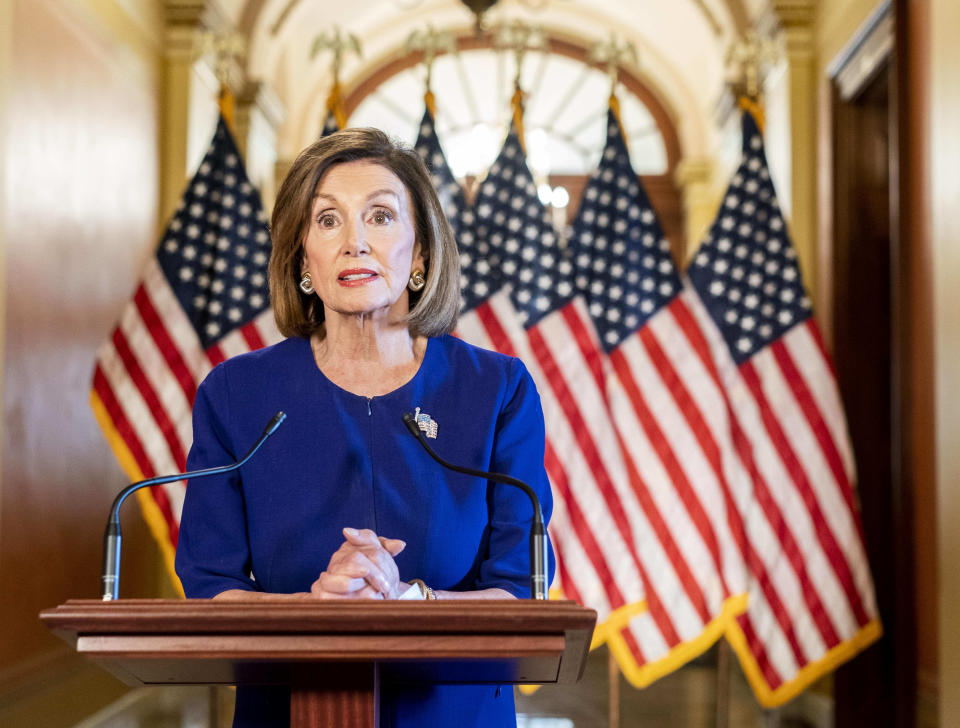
{"x":362,"y":568}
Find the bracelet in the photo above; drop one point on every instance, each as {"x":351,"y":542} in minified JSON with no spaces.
{"x":427,"y":592}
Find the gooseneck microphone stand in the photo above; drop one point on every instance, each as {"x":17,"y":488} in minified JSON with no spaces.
{"x":110,"y":578}
{"x":538,"y":533}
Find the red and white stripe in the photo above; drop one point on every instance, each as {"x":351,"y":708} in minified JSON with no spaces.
{"x":147,"y":375}
{"x":626,"y":540}
{"x":670,"y":414}
{"x":661,"y":408}
{"x":810,"y":587}
{"x":585,"y":528}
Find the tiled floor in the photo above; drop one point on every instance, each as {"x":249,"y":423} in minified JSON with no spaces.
{"x":686,"y":698}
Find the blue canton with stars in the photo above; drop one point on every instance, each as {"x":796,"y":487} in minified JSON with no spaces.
{"x":514,"y":242}
{"x":623,"y":265}
{"x":746,"y":270}
{"x":448,"y":189}
{"x":216,"y":248}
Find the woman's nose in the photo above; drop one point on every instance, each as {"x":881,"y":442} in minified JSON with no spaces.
{"x":356,"y":241}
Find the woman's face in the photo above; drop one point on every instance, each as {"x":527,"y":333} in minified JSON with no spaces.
{"x":361,"y":245}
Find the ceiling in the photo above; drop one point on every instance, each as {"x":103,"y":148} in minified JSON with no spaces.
{"x":681,"y":47}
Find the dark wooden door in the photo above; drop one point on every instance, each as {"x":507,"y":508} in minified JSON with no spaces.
{"x":876,"y":688}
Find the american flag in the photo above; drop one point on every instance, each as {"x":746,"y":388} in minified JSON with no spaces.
{"x":520,"y":298}
{"x":336,"y":118}
{"x":448,"y":189}
{"x":811,"y":596}
{"x":330,"y":124}
{"x":670,"y":419}
{"x":202,"y":298}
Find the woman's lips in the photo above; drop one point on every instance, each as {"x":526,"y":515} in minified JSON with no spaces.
{"x":356,"y":277}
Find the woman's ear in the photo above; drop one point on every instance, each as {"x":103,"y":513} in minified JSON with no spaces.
{"x":418,"y":260}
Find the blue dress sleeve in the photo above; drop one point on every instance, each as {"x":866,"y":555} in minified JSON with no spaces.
{"x":213,"y":554}
{"x":518,"y":451}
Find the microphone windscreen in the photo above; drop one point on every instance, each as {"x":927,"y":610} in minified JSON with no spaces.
{"x":274,"y":423}
{"x":411,"y":424}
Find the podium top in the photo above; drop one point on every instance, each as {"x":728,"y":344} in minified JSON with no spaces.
{"x":265,"y":615}
{"x":172,"y":641}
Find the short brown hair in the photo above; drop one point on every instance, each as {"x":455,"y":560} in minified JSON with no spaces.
{"x":434,"y":310}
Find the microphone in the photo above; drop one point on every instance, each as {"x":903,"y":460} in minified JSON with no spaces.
{"x":538,"y":534}
{"x":110,"y":575}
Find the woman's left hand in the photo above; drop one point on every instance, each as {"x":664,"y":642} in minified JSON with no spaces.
{"x":362,"y":568}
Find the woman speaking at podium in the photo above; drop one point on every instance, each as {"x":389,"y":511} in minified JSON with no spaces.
{"x":343,"y":503}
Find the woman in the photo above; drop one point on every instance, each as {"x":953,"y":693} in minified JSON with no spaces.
{"x":342,"y":503}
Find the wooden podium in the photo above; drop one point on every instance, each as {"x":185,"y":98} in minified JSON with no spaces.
{"x":333,"y":654}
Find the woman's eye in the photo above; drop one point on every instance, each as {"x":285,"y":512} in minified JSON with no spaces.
{"x":382,"y":217}
{"x":326,"y":221}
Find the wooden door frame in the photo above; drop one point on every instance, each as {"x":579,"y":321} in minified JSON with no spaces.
{"x":911,"y":402}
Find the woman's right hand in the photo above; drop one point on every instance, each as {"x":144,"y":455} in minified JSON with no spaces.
{"x":362,"y":568}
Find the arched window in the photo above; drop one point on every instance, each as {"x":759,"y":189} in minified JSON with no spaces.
{"x":566,"y":99}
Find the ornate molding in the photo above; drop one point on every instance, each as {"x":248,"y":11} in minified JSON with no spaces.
{"x":795,"y":13}
{"x":185,"y":23}
{"x":797,"y":18}
{"x":195,"y":14}
{"x":200,"y":29}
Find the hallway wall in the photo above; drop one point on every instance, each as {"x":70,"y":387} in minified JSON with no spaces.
{"x":944,"y":189}
{"x":80,"y":196}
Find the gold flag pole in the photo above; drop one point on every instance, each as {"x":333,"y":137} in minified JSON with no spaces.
{"x":227,"y":50}
{"x":431,"y":43}
{"x":519,"y":38}
{"x":339,"y":44}
{"x":748,"y":58}
{"x":612,"y":54}
{"x":613,"y":690}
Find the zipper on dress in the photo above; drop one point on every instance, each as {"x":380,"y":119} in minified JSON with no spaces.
{"x":369,"y":411}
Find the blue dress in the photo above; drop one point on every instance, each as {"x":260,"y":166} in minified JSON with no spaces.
{"x":345,"y":460}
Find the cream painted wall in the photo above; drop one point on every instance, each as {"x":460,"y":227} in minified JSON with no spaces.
{"x":944,"y":187}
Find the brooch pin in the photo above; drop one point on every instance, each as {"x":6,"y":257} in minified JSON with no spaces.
{"x":426,"y":423}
